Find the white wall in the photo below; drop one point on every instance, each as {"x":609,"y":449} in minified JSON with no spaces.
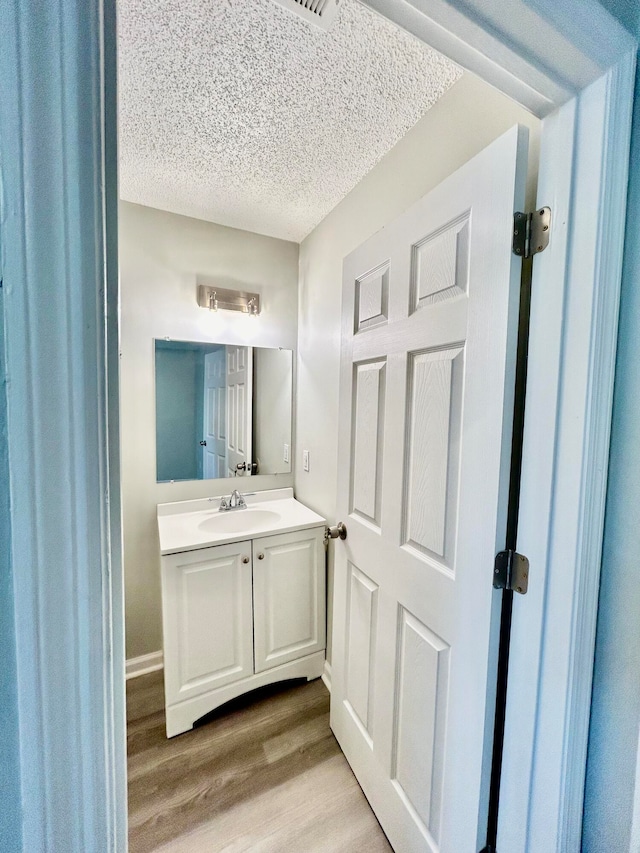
{"x":462,"y":123}
{"x":160,"y":256}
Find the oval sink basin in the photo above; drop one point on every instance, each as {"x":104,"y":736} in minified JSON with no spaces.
{"x":239,"y":521}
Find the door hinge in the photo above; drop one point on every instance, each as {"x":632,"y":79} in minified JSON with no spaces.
{"x":531,"y":232}
{"x":511,"y":571}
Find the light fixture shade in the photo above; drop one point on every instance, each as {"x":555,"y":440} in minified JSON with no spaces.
{"x":220,"y":298}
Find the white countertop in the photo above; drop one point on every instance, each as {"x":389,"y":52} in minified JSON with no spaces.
{"x":180,"y":524}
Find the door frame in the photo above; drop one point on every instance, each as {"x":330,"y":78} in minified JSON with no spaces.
{"x":59,"y":265}
{"x":585,"y":104}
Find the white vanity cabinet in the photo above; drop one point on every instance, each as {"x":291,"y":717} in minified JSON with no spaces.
{"x":239,"y":616}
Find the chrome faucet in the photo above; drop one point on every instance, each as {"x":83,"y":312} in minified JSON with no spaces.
{"x":234,"y":501}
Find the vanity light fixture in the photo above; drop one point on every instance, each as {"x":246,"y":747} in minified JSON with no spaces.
{"x":215,"y":298}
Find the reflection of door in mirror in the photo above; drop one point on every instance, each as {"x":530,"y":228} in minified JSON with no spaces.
{"x":214,"y":460}
{"x":239,"y":410}
{"x":219,"y":406}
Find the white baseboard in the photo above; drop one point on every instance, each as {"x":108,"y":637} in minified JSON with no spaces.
{"x":143,"y":664}
{"x":326,"y":675}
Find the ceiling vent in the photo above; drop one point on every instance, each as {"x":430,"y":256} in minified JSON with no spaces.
{"x":319,"y":12}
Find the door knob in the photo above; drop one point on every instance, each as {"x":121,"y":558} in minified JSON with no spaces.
{"x":261,"y":556}
{"x":203,"y":444}
{"x":245,"y":559}
{"x":338,"y":531}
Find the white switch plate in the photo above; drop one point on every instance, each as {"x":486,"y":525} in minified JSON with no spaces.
{"x":286,"y":453}
{"x":305,"y":460}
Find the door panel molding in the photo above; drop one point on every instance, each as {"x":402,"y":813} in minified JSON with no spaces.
{"x":369,"y":380}
{"x":423,"y":666}
{"x":361,"y":639}
{"x":446,"y":250}
{"x":432,"y":452}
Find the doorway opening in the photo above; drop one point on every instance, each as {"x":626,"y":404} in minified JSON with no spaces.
{"x":202,"y":199}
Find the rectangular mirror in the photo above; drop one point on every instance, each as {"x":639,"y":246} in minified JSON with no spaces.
{"x":221,"y":410}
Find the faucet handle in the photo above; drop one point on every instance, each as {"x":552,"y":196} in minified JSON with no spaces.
{"x":241,"y":501}
{"x":223,"y":503}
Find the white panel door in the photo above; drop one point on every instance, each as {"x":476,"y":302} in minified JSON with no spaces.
{"x":215,"y":415}
{"x":288,"y":597}
{"x":239,"y":409}
{"x":207,"y":619}
{"x":430,"y":313}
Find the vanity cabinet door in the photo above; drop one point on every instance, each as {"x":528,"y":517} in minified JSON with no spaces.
{"x":288,"y":597}
{"x":206,"y":603}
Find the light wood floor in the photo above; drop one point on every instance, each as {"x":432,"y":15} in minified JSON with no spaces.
{"x":263,"y":775}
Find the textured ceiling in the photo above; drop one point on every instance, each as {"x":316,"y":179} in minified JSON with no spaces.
{"x":239,"y":112}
